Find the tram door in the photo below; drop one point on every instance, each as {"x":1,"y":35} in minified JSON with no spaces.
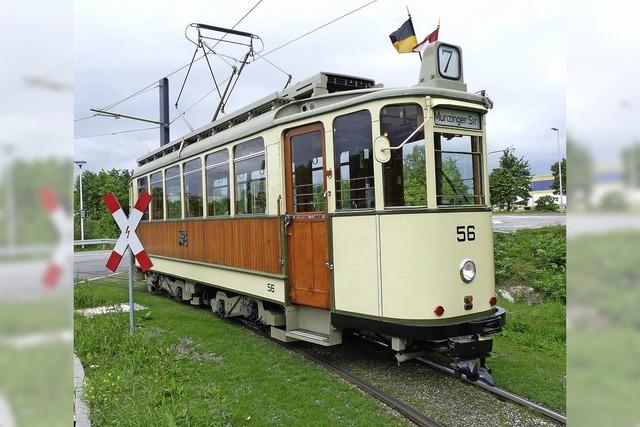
{"x":306,"y":220}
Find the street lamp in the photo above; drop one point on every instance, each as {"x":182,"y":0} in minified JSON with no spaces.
{"x":81,"y":163}
{"x":510,"y":149}
{"x":557,"y":131}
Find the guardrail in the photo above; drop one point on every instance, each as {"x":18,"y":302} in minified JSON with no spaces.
{"x":95,"y":242}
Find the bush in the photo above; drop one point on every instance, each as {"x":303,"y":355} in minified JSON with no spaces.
{"x":536,"y":258}
{"x":614,"y":201}
{"x":546,"y":203}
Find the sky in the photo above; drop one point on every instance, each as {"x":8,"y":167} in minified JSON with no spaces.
{"x":513,"y":50}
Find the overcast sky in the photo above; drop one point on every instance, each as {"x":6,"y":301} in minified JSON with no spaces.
{"x":514,"y":50}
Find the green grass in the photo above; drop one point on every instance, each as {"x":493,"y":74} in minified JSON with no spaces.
{"x":604,"y":338}
{"x":533,"y":257}
{"x":529,"y":355}
{"x":37,"y":379}
{"x":184,"y":366}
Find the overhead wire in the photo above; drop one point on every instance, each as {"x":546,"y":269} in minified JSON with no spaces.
{"x":259,"y":56}
{"x":117,"y":132}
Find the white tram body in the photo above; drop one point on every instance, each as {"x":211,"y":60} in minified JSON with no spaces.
{"x":306,"y":212}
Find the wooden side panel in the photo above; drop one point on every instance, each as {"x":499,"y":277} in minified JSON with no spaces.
{"x":247,"y":243}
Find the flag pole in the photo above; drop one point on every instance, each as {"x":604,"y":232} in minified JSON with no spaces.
{"x":409,"y":13}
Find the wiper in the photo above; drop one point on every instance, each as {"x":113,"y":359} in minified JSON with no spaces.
{"x":453,"y":187}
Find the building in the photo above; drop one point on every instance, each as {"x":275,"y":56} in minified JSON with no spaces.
{"x":542,"y":185}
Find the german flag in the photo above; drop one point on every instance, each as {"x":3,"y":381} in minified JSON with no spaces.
{"x":404,"y":38}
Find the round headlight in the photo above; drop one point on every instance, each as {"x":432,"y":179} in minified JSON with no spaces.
{"x":467,"y":270}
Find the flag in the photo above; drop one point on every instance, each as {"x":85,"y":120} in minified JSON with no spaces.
{"x":404,"y":38}
{"x":432,"y":37}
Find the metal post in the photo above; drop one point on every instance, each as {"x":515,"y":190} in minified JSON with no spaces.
{"x":132,"y":265}
{"x":557,"y":131}
{"x":164,"y":111}
{"x":81,"y":209}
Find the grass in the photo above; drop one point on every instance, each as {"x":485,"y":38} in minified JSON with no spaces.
{"x":604,"y":344}
{"x":533,"y":257}
{"x":184,"y":366}
{"x":529,"y":355}
{"x":36,"y":379}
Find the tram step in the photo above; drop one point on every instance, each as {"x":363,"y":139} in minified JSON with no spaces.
{"x":309,"y":336}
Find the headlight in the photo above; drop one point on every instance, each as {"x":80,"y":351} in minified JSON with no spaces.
{"x":467,"y":270}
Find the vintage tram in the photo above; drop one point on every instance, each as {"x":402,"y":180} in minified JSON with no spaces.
{"x":335,"y":205}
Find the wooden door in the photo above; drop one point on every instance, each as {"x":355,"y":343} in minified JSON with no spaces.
{"x":306,"y":220}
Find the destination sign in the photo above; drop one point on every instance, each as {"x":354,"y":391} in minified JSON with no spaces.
{"x":457,"y":118}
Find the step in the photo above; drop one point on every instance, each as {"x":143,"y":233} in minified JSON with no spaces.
{"x":309,"y":336}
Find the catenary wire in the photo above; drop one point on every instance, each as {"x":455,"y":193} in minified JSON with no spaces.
{"x":117,"y":132}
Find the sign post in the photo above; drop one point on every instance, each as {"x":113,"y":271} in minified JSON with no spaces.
{"x":128,"y":240}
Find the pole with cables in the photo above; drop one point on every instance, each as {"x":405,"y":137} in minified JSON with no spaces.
{"x":557,"y":131}
{"x":81,"y":163}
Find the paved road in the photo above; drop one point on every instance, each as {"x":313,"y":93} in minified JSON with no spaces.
{"x":516,"y":222}
{"x":89,"y":265}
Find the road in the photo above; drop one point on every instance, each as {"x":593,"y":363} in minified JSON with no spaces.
{"x":89,"y":265}
{"x":510,"y":223}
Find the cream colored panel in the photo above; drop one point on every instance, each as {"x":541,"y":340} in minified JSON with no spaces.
{"x":421,"y":259}
{"x":355,"y":264}
{"x":244,"y":283}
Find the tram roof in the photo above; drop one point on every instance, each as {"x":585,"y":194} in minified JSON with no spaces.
{"x":297,"y":103}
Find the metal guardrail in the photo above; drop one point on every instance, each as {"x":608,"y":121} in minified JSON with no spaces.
{"x":95,"y":242}
{"x":25,"y":250}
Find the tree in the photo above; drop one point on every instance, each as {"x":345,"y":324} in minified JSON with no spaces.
{"x":98,"y":222}
{"x":510,"y":181}
{"x":581,"y":177}
{"x":546,"y":203}
{"x":556,"y":179}
{"x":415,"y":177}
{"x":631,"y":165}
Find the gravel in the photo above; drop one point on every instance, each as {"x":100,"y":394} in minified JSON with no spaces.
{"x":444,"y":398}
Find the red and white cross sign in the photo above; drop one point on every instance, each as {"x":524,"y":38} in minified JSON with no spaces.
{"x":128,"y":226}
{"x":61,"y":222}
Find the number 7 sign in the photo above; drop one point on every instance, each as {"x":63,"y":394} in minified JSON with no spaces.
{"x":128,"y":236}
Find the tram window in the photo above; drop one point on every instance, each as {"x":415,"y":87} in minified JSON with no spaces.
{"x":405,"y":175}
{"x":458,"y":169}
{"x":143,"y":187}
{"x":353,"y":161}
{"x":192,"y":172}
{"x":174,"y":197}
{"x":218,"y":183}
{"x":251,"y":178}
{"x":307,"y":172}
{"x":157,"y":196}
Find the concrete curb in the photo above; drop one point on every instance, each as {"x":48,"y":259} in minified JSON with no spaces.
{"x":80,"y":409}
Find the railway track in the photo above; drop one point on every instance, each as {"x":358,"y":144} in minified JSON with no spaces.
{"x":398,"y":405}
{"x":506,"y":395}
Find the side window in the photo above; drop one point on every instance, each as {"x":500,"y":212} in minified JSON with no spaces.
{"x":218,"y":183}
{"x":353,"y":160}
{"x":251,"y":178}
{"x":157,"y":196}
{"x":405,"y":175}
{"x":143,"y":187}
{"x":192,"y":175}
{"x":458,"y":169}
{"x":174,"y":196}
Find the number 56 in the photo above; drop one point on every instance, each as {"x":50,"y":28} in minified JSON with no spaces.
{"x":466,"y":233}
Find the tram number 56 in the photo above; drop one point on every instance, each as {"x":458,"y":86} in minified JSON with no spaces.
{"x":466,"y":233}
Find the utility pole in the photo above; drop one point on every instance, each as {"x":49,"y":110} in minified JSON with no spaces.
{"x":81,"y":163}
{"x":557,"y":131}
{"x":163,"y":84}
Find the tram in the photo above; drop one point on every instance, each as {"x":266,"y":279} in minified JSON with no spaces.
{"x":335,"y":205}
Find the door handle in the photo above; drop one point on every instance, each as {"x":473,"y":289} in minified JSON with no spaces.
{"x":326,"y":194}
{"x":288,"y":220}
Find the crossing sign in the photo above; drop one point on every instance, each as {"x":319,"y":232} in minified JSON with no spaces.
{"x":128,"y":236}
